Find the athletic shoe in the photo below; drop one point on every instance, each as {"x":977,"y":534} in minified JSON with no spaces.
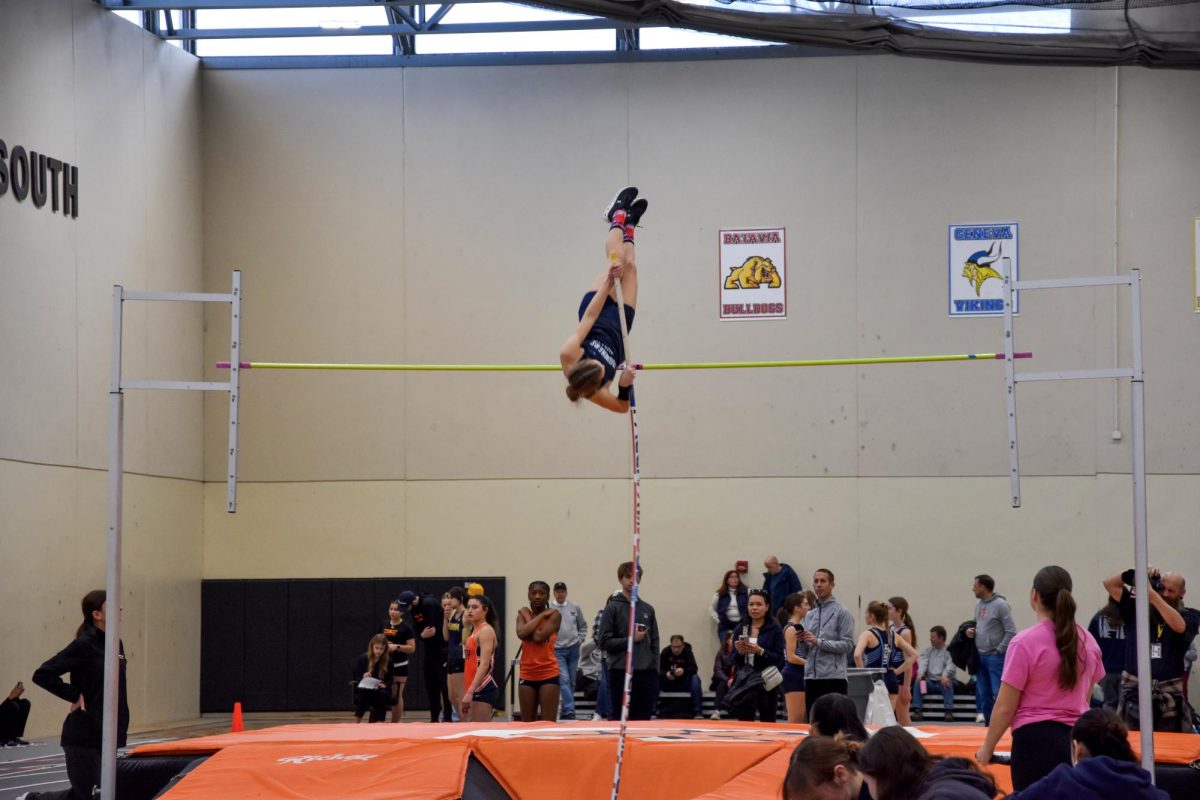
{"x":918,"y":715}
{"x":697,"y":716}
{"x":636,"y":210}
{"x":949,"y":716}
{"x":622,"y":199}
{"x":715,"y":715}
{"x":567,"y":718}
{"x":597,"y":718}
{"x":979,"y":719}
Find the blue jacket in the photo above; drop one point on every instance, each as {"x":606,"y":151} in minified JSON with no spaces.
{"x":1100,"y":778}
{"x":779,"y":586}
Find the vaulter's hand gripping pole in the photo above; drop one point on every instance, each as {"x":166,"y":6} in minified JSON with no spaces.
{"x":637,"y":546}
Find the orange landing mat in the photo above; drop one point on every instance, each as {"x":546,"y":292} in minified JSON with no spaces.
{"x":664,"y":760}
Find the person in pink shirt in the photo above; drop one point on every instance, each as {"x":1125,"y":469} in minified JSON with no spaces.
{"x":1049,"y":672}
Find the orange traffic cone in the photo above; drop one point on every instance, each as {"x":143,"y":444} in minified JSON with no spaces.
{"x":237,"y":718}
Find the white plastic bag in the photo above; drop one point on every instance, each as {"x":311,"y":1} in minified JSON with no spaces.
{"x":879,"y":707}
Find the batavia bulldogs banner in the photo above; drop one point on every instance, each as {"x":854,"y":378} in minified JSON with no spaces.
{"x":976,"y":276}
{"x":752,"y":275}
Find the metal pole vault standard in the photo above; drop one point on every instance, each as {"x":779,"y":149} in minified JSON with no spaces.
{"x":116,"y":457}
{"x":637,"y":553}
{"x":1137,"y":442}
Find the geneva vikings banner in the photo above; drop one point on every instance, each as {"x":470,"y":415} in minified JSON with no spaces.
{"x":976,"y":255}
{"x":752,"y":276}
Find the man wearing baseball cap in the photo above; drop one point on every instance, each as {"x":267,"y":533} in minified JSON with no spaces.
{"x":571,"y":632}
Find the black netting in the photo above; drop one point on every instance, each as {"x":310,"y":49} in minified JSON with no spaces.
{"x":1163,"y":33}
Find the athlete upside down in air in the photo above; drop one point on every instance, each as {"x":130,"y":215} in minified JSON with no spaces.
{"x":593,"y":352}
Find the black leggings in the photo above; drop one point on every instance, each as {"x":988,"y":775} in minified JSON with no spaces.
{"x":766,"y":706}
{"x":436,"y":689}
{"x":83,"y":770}
{"x":1037,"y":749}
{"x":13,"y":714}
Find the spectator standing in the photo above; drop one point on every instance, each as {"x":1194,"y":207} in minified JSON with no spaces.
{"x":453,"y":622}
{"x":537,"y":628}
{"x":1108,"y":629}
{"x":426,"y":614}
{"x":481,"y":691}
{"x":795,"y":607}
{"x":900,"y":624}
{"x":875,"y":648}
{"x":614,"y":639}
{"x":722,"y":674}
{"x":571,"y":634}
{"x":935,"y":674}
{"x":603,"y":700}
{"x":373,"y":673}
{"x":14,"y":712}
{"x":1173,"y":626}
{"x":1047,"y":682}
{"x":1105,"y":766}
{"x":758,"y":644}
{"x":82,"y":735}
{"x":401,"y":642}
{"x":828,"y":636}
{"x":994,"y":629}
{"x":728,"y":607}
{"x":779,"y":581}
{"x":678,"y":672}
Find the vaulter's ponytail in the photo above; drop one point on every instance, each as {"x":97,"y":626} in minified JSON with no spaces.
{"x":1053,"y":585}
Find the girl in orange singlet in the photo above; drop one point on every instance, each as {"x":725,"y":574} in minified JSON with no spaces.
{"x":481,"y":692}
{"x":537,"y":628}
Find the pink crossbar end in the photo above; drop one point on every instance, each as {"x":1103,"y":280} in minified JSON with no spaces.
{"x":225,"y":365}
{"x":1029,"y":354}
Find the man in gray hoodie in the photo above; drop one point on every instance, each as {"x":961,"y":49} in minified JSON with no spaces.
{"x":994,"y":629}
{"x":570,"y":636}
{"x":614,"y":638}
{"x":828,"y":636}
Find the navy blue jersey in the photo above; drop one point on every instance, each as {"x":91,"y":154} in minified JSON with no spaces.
{"x":603,"y":342}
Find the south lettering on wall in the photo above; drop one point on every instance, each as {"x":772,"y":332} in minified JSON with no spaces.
{"x":28,"y":174}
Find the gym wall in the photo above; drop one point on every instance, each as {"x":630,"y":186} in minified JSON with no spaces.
{"x":453,"y":216}
{"x":88,"y":88}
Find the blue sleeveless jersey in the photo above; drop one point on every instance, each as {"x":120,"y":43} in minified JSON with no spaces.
{"x":603,"y":341}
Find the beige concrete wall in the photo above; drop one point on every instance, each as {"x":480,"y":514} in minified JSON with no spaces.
{"x":87,"y":87}
{"x":450,"y":215}
{"x":920,"y":538}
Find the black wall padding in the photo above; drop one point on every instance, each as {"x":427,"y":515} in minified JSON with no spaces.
{"x":222,"y":638}
{"x":480,"y":784}
{"x":309,"y":657}
{"x":287,"y":645}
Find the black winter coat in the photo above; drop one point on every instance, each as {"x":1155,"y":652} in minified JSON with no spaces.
{"x":962,"y":649}
{"x":84,"y":659}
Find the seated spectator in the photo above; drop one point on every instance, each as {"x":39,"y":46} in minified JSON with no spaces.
{"x":728,"y":606}
{"x":825,"y":767}
{"x":14,"y":712}
{"x":835,"y":714}
{"x":1105,"y":767}
{"x":757,"y":644}
{"x":935,"y":674}
{"x":896,"y":767}
{"x":372,"y":673}
{"x":722,"y":674}
{"x":677,"y":672}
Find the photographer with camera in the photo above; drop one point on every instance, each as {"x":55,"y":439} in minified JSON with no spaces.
{"x":1173,"y":626}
